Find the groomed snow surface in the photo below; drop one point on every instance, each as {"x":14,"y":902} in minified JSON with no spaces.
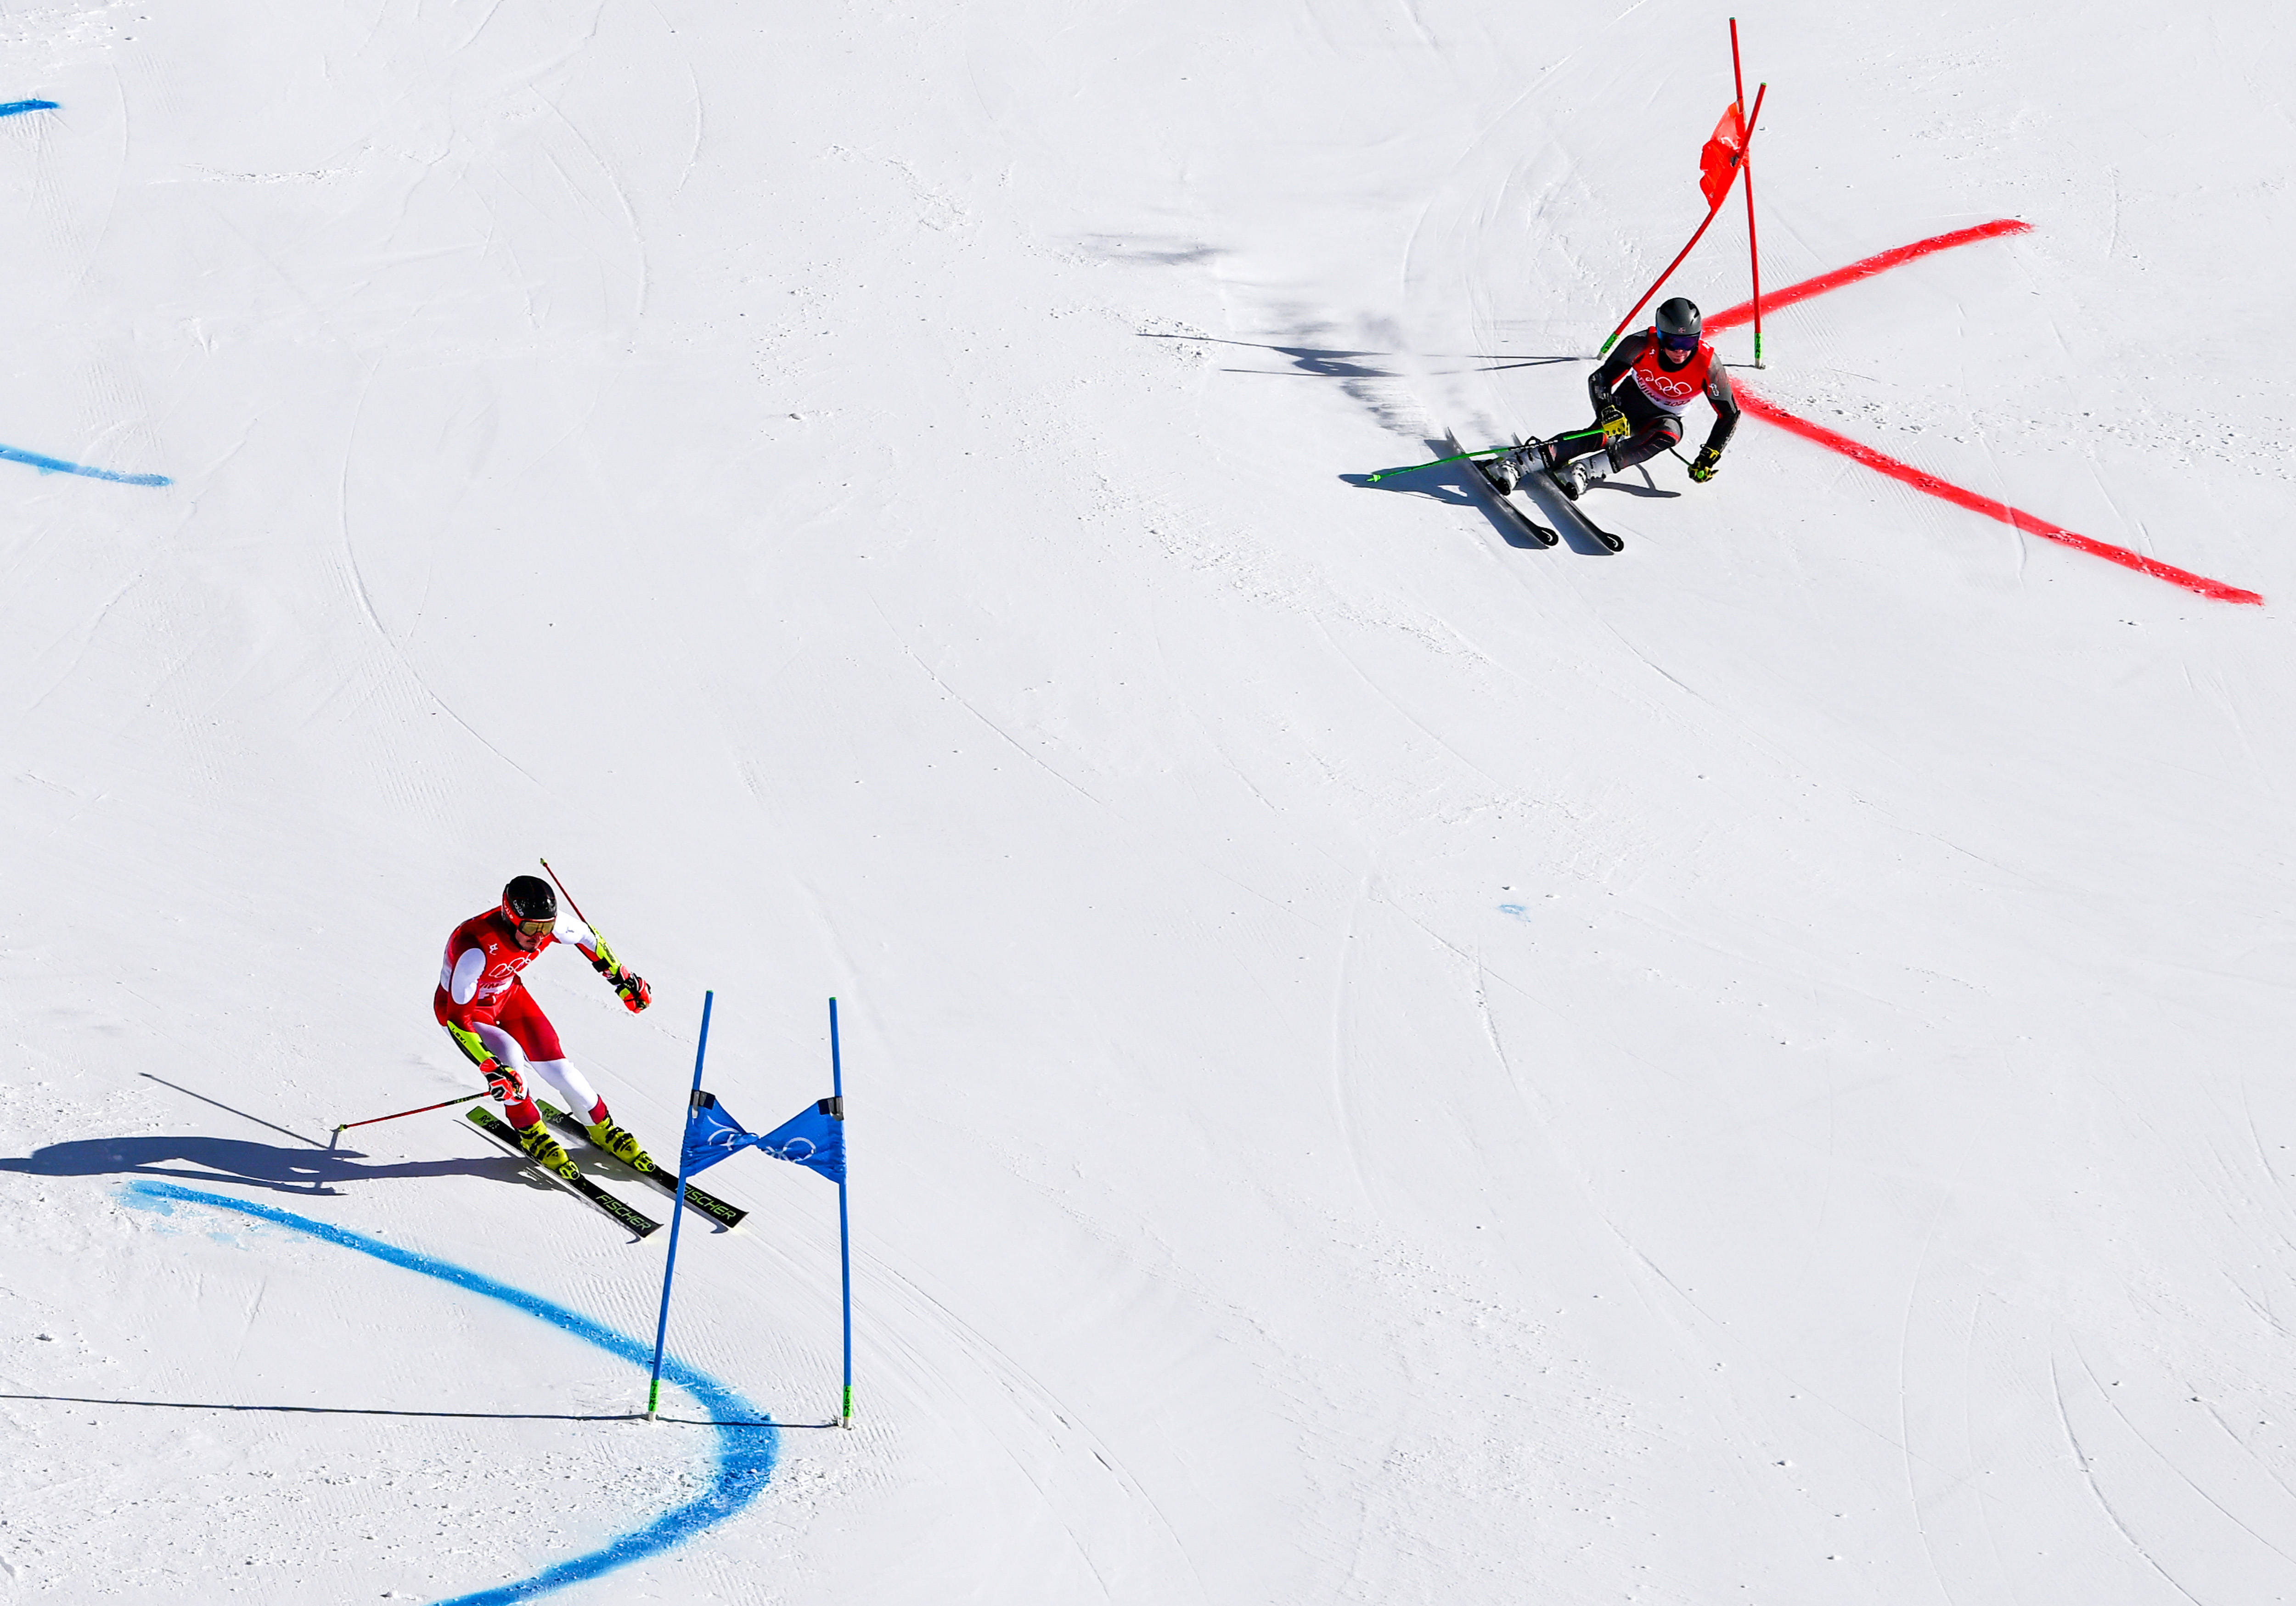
{"x":1385,"y":1066}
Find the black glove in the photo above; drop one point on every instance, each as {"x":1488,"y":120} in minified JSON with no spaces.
{"x":1704,"y":466}
{"x":502,"y":1081}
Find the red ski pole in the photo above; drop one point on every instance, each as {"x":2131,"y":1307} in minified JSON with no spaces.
{"x":568,"y":897}
{"x":441,"y":1105}
{"x":635,"y":994}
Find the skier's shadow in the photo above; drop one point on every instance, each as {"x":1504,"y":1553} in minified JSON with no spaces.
{"x":224,"y":1160}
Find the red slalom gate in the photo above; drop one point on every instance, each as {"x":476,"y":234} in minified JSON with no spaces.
{"x":1992,"y":507}
{"x":1735,"y":161}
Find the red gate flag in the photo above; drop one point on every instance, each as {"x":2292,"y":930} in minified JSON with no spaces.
{"x":1717,"y":161}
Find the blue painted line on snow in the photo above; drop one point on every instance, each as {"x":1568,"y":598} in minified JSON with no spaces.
{"x":745,"y":1455}
{"x":13,"y":107}
{"x":57,"y":465}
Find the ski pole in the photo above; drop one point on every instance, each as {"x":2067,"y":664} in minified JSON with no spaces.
{"x":1412,"y":467}
{"x":568,"y":897}
{"x":639,"y":1003}
{"x":441,"y":1105}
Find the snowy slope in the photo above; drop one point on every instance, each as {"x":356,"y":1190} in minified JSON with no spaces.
{"x":1385,"y":1066}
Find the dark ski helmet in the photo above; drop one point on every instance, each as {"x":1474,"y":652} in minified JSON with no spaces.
{"x":1679,"y":325}
{"x":529,"y":905}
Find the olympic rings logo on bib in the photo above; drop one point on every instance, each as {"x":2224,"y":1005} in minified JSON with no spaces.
{"x":1671,"y":389}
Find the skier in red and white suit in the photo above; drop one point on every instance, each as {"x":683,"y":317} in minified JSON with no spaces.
{"x":494,"y":1019}
{"x":1639,"y":395}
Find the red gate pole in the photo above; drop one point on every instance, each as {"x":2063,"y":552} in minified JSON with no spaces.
{"x":1753,"y":248}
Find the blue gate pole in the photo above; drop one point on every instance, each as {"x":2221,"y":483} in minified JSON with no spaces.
{"x":677,"y":1213}
{"x":844,"y":1230}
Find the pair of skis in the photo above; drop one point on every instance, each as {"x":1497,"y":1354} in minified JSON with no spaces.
{"x":637,"y":1222}
{"x":1512,"y":511}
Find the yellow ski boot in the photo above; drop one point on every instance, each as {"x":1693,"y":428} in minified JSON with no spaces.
{"x":548,"y":1153}
{"x":621,"y":1144}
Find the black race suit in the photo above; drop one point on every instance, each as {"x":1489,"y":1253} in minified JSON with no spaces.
{"x":1654,"y":428}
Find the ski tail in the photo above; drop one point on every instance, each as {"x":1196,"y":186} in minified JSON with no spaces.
{"x":1538,"y":534}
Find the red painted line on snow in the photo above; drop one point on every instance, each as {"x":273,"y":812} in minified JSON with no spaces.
{"x":1992,"y":507}
{"x":1895,"y":257}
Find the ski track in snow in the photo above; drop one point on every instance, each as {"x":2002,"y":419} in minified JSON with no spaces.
{"x":2096,"y":1491}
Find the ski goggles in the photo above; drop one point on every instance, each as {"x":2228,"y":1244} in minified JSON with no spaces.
{"x":1676,"y":342}
{"x":534,"y":928}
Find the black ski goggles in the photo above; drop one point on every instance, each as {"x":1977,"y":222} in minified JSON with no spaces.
{"x":1677,"y":342}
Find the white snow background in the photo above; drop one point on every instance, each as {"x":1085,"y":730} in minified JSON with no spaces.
{"x":1384,"y":1067}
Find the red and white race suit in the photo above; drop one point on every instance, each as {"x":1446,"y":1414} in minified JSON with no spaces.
{"x":489,"y":1012}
